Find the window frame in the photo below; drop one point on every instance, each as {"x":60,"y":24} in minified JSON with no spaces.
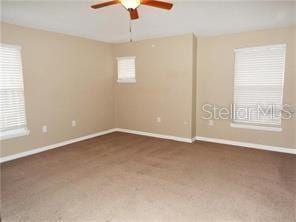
{"x":126,"y":80}
{"x":21,"y":131}
{"x":253,"y":126}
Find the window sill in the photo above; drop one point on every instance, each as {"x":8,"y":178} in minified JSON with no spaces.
{"x":253,"y":127}
{"x":14,"y":133}
{"x":126,"y":80}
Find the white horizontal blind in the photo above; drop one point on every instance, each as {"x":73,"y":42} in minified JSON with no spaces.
{"x":12,"y":105}
{"x":126,"y":68}
{"x":259,"y":83}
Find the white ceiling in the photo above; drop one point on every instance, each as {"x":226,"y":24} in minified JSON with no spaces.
{"x":110,"y":24}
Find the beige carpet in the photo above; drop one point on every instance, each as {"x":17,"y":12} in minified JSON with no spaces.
{"x":122,"y":177}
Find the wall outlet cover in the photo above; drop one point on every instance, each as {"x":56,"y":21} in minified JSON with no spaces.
{"x":44,"y":129}
{"x":158,"y":119}
{"x":73,"y":123}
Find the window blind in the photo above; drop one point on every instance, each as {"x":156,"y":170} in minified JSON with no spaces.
{"x":126,"y":69}
{"x":258,"y":85}
{"x":12,"y":104}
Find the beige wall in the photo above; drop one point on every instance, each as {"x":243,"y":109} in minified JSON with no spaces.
{"x":294,"y":81}
{"x":164,"y":74}
{"x":69,"y":78}
{"x":194,"y":87}
{"x":66,"y":78}
{"x":215,"y":75}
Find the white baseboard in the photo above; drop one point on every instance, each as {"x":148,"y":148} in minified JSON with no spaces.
{"x":53,"y":146}
{"x":180,"y":139}
{"x":161,"y":136}
{"x":247,"y":145}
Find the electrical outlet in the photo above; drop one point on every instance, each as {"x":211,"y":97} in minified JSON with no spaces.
{"x":211,"y":122}
{"x":158,"y":119}
{"x":73,"y":123}
{"x":44,"y":129}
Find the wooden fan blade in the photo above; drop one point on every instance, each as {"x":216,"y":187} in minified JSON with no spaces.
{"x":134,"y":14}
{"x":104,"y":4}
{"x":158,"y":4}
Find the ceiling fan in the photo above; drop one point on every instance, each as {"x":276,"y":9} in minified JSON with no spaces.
{"x":132,"y":5}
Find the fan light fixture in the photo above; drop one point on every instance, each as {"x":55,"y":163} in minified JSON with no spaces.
{"x":132,"y":7}
{"x":130,"y":4}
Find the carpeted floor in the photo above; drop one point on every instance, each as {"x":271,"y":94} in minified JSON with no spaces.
{"x":128,"y":178}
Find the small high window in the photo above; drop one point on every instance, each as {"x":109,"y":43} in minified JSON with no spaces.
{"x":126,"y":67}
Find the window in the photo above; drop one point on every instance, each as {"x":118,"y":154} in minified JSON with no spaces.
{"x":12,"y":104}
{"x":258,"y":87}
{"x":126,"y":69}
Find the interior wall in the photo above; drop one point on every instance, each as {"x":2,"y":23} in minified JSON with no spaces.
{"x":69,"y":78}
{"x":294,"y":80}
{"x":215,"y":82}
{"x":164,"y":75}
{"x":65,"y":78}
{"x":194,"y":86}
